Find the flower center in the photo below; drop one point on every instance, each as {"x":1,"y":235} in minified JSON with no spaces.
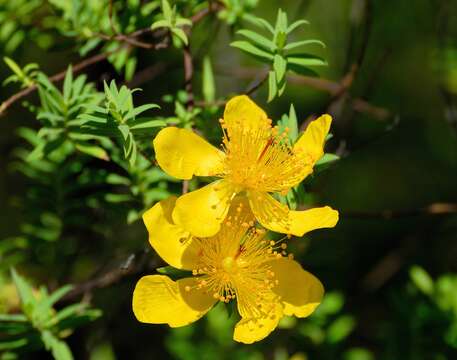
{"x":235,"y":263}
{"x":261,"y":158}
{"x":229,"y":264}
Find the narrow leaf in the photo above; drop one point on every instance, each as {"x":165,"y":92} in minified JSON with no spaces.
{"x":296,"y":24}
{"x":272,"y":88}
{"x":93,"y":150}
{"x":180,"y":34}
{"x":67,"y":84}
{"x":251,"y":49}
{"x":258,"y":39}
{"x":279,"y":66}
{"x":293,"y":124}
{"x":297,"y":44}
{"x":209,"y":87}
{"x":305,"y":60}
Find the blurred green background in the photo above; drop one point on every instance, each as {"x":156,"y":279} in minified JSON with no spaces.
{"x":389,"y":266}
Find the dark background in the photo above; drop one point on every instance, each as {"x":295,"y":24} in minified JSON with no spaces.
{"x":393,"y":65}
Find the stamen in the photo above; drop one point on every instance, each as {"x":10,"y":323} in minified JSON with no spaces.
{"x":261,"y":158}
{"x":235,"y":264}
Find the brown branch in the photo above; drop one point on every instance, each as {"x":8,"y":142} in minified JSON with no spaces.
{"x":332,"y":87}
{"x":110,"y":15}
{"x":185,"y":187}
{"x":256,"y":84}
{"x":147,"y":74}
{"x":56,"y":78}
{"x":188,"y":76}
{"x":134,"y":264}
{"x":432,"y":209}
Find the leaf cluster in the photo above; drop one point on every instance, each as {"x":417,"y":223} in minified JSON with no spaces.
{"x":39,"y":324}
{"x":278,"y":52}
{"x":173,"y":22}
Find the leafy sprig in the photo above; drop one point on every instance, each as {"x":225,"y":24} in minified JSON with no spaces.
{"x":172,"y":21}
{"x":278,"y":52}
{"x":39,"y":324}
{"x":119,"y":118}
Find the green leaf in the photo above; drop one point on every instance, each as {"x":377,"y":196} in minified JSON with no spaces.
{"x":58,"y":348}
{"x":174,"y":273}
{"x":358,"y":354}
{"x":422,"y":280}
{"x":305,"y":60}
{"x":340,"y":329}
{"x":279,"y":66}
{"x":93,"y":150}
{"x":306,"y":71}
{"x":67,"y":84}
{"x":24,"y":291}
{"x":13,"y":317}
{"x":183,"y":22}
{"x":258,"y":39}
{"x":125,"y":131}
{"x":327,"y":158}
{"x":14,"y":344}
{"x":140,"y":109}
{"x":13,"y":66}
{"x":272,"y":86}
{"x":57,"y":295}
{"x":208,"y":86}
{"x":296,"y":24}
{"x":130,"y":67}
{"x":180,"y":34}
{"x":297,"y":44}
{"x":281,"y":21}
{"x":160,"y":24}
{"x":262,"y":23}
{"x":280,"y":39}
{"x":325,"y":162}
{"x":68,"y":311}
{"x":146,"y":123}
{"x":292,"y":124}
{"x":252,"y":50}
{"x":166,"y":9}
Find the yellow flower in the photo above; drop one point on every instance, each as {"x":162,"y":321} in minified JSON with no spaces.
{"x":237,"y":264}
{"x":256,"y":160}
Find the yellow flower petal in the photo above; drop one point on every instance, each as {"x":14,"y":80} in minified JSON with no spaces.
{"x":310,"y":145}
{"x":242,"y":111}
{"x":182,"y":153}
{"x":302,"y":222}
{"x":300,"y":291}
{"x":202,"y":211}
{"x":251,"y":330}
{"x":277,"y":217}
{"x":170,"y":241}
{"x":159,"y":300}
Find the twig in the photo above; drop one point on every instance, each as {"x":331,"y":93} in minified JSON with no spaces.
{"x":188,"y":76}
{"x":128,"y":39}
{"x":185,"y":187}
{"x":432,"y":209}
{"x":134,"y":264}
{"x":57,"y":77}
{"x":257,"y":84}
{"x":110,"y":15}
{"x":147,"y":74}
{"x":332,"y":87}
